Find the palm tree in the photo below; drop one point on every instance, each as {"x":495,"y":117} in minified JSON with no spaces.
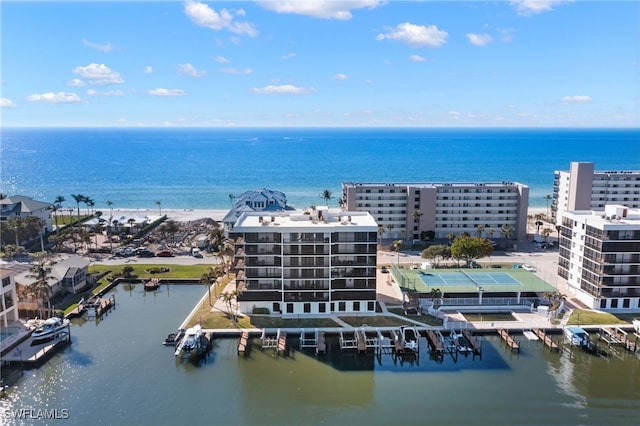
{"x":451,"y":236}
{"x":547,"y":198}
{"x":342,"y":203}
{"x":231,"y":198}
{"x":110,"y":205}
{"x":41,"y":272}
{"x":506,"y":231}
{"x":326,"y":196}
{"x":397,"y":245}
{"x":57,"y":203}
{"x":490,"y":232}
{"x":436,"y":295}
{"x":389,"y":228}
{"x":89,"y":203}
{"x":79,"y":198}
{"x":158,"y":203}
{"x":131,"y":222}
{"x":480,"y":229}
{"x":380,"y":232}
{"x":228,"y":297}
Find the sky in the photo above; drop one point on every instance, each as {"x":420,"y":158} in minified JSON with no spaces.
{"x":316,"y":63}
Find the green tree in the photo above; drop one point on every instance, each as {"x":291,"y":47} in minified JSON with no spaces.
{"x":231,"y":198}
{"x":210,"y":277}
{"x":436,"y":253}
{"x":480,"y":229}
{"x":470,"y":248}
{"x":78,"y":198}
{"x":326,"y":195}
{"x":127,"y":271}
{"x":41,"y":273}
{"x":397,"y":246}
{"x":506,"y":231}
{"x":228,"y":297}
{"x":436,"y":297}
{"x":380,"y":232}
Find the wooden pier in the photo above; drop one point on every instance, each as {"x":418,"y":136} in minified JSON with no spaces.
{"x":436,"y":342}
{"x":475,"y":343}
{"x":282,"y":342}
{"x":509,"y":340}
{"x":243,"y":345}
{"x":612,"y":336}
{"x":542,"y":335}
{"x":314,"y":339}
{"x":94,"y":307}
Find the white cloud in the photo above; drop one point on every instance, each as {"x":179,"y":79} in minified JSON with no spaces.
{"x":92,"y":92}
{"x":202,"y":15}
{"x":190,"y":70}
{"x":76,"y":82}
{"x":166,"y":92}
{"x":416,"y":35}
{"x":55,"y":98}
{"x":340,"y":76}
{"x":578,"y":99}
{"x":7,"y":103}
{"x":534,"y":7}
{"x":326,"y":9}
{"x":245,"y":71}
{"x":455,"y":115}
{"x":417,"y":58}
{"x":99,"y":74}
{"x":479,"y":39}
{"x":221,"y":59}
{"x":282,"y":89}
{"x":289,"y":56}
{"x":148,"y":70}
{"x":107,"y":47}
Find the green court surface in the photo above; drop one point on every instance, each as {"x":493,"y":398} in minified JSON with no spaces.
{"x":469,"y":281}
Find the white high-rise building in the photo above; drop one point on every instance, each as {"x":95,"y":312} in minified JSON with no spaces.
{"x":584,"y":188}
{"x":599,"y":257}
{"x":406,"y":210}
{"x":316,"y":263}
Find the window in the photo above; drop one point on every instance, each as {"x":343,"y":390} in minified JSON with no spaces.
{"x":276,"y":307}
{"x":342,"y":306}
{"x":614,"y":303}
{"x":307,"y":308}
{"x":356,"y":306}
{"x":322,"y":308}
{"x":626,"y":303}
{"x":603,"y":303}
{"x":371,"y":306}
{"x":289,"y":308}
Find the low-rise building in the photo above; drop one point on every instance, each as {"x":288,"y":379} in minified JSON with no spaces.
{"x":321,"y":262}
{"x":21,"y":207}
{"x":599,"y":257}
{"x":406,"y":210}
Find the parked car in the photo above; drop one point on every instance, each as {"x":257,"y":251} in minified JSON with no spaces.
{"x":164,"y":253}
{"x":528,"y":267}
{"x":196,"y":252}
{"x":146,"y":253}
{"x":384,"y":269}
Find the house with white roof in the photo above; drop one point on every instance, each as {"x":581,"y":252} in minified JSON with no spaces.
{"x":260,"y":200}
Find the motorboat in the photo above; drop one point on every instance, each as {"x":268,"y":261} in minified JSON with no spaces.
{"x":49,"y":329}
{"x":191,"y":340}
{"x":174,"y":338}
{"x":576,"y":336}
{"x":461,"y":343}
{"x":152,"y":285}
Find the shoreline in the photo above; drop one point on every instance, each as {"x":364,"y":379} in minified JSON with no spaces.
{"x":187,"y":215}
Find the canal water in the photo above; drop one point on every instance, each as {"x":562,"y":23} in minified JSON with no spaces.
{"x":116,"y":372}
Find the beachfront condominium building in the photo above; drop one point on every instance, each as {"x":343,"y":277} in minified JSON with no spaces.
{"x":320,"y":262}
{"x":407,"y":210}
{"x":599,"y":257}
{"x":584,"y":188}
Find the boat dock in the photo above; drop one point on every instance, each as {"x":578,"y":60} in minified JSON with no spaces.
{"x":30,"y":355}
{"x":436,"y":341}
{"x":475,"y":343}
{"x":509,"y":340}
{"x":94,"y":307}
{"x":316,"y":340}
{"x":542,"y":335}
{"x":243,"y":345}
{"x":612,"y":336}
{"x":277,"y":342}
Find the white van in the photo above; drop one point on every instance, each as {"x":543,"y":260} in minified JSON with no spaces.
{"x":195,"y":252}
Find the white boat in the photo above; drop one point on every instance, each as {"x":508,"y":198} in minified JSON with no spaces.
{"x":576,"y":336}
{"x":191,"y":340}
{"x":461,"y":343}
{"x":49,"y":329}
{"x":636,"y":324}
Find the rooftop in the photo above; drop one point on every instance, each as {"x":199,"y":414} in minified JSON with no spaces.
{"x":321,"y":218}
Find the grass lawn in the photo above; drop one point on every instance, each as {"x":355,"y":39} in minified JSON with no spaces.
{"x":426,"y":319}
{"x":582,"y":317}
{"x":377,"y":321}
{"x":141,"y":270}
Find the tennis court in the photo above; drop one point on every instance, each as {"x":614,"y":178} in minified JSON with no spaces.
{"x":465,"y":279}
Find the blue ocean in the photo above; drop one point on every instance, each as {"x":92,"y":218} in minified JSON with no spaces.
{"x":199,"y":168}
